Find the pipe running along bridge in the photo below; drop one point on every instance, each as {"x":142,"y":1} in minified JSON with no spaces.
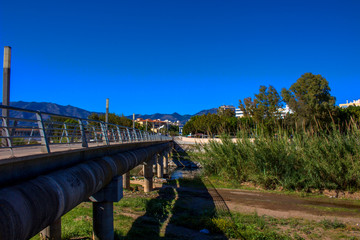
{"x":50,"y":163}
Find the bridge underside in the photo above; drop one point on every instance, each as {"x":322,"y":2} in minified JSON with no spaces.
{"x":36,"y":191}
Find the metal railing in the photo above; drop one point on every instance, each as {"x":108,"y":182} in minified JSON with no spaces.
{"x":23,"y":128}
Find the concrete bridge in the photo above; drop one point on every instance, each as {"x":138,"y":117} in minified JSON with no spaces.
{"x":68,"y":160}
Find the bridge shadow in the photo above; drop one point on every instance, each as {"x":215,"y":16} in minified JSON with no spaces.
{"x":181,"y":158}
{"x":183,"y":208}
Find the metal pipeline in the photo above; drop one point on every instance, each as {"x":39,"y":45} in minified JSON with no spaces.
{"x":28,"y":207}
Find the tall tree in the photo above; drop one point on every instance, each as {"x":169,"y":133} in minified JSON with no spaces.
{"x":113,"y":118}
{"x":310,"y":99}
{"x":264,"y":107}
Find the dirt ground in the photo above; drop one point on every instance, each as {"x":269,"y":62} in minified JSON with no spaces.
{"x":290,"y":206}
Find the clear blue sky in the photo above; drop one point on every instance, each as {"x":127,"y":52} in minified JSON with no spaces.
{"x":176,"y":56}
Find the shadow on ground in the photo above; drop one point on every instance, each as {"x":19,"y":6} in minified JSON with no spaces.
{"x":183,"y":208}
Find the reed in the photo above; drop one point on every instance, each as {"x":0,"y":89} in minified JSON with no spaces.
{"x":328,"y":159}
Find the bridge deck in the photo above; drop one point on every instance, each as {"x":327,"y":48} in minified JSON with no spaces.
{"x":35,"y":150}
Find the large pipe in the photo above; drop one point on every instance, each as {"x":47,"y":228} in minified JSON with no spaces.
{"x":29,"y":207}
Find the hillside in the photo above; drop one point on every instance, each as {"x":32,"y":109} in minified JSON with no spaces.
{"x":82,"y":113}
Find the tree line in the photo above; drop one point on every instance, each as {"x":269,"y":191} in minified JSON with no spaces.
{"x":312,"y":108}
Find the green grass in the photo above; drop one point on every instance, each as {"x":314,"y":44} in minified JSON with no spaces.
{"x":252,"y":226}
{"x":328,"y":224}
{"x":137,"y":204}
{"x":77,"y":222}
{"x":331,"y":209}
{"x":196,"y":182}
{"x":245,"y":226}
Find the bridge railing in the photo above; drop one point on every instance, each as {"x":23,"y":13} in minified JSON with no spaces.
{"x":22,"y":128}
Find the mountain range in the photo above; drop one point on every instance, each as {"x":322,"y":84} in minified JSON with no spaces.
{"x":82,"y":113}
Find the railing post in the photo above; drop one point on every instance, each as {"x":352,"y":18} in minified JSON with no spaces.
{"x":44,"y":140}
{"x":104,"y":132}
{"x":119,"y":134}
{"x":7,"y":134}
{"x":134,"y":132}
{"x":83,"y":134}
{"x":141,"y":136}
{"x":129,"y":136}
{"x":66,"y":134}
{"x":113,"y":134}
{"x":31,"y":134}
{"x":95,"y":134}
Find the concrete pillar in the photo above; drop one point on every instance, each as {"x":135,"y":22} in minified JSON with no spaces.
{"x":148,"y":176}
{"x":154,"y":168}
{"x":6,"y":86}
{"x":126,"y":180}
{"x":159,"y":166}
{"x":52,"y":232}
{"x":169,"y":153}
{"x":103,"y":221}
{"x":103,"y":206}
{"x":166,"y":162}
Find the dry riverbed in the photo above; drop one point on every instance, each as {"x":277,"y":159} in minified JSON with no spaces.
{"x":186,"y":208}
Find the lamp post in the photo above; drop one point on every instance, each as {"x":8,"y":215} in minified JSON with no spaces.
{"x":6,"y":87}
{"x":133,"y":120}
{"x":107,"y":111}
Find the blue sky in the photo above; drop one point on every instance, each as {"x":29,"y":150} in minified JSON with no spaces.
{"x":176,"y":56}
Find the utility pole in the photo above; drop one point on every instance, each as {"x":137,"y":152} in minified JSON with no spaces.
{"x":6,"y":87}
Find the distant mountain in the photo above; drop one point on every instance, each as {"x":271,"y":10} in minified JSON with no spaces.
{"x":174,"y":116}
{"x":171,"y":117}
{"x":79,"y":112}
{"x":47,"y":107}
{"x":53,"y":108}
{"x":212,"y":110}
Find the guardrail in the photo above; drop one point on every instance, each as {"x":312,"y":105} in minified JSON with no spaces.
{"x":23,"y":128}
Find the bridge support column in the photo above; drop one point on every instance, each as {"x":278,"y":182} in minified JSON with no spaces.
{"x":159,"y":166}
{"x":103,"y":221}
{"x":52,"y":232}
{"x":148,"y":175}
{"x":126,"y":180}
{"x":166,"y":162}
{"x":103,"y":218}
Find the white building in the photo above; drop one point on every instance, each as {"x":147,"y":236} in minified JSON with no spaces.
{"x":347,"y":104}
{"x":283,"y":112}
{"x":239,"y":113}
